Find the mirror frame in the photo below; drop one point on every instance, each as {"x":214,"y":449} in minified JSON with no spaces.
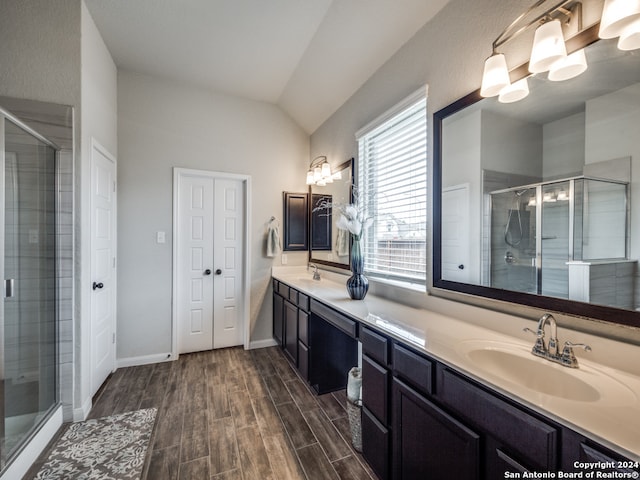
{"x":343,"y":266}
{"x":570,"y":307}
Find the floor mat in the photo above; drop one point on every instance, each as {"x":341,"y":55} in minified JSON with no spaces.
{"x":111,"y":448}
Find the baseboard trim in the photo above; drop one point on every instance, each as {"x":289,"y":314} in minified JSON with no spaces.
{"x":80,"y":414}
{"x":22,"y":463}
{"x":269,"y":342}
{"x":144,"y":360}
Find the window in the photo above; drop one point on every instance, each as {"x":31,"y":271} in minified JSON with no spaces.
{"x":392,"y":183}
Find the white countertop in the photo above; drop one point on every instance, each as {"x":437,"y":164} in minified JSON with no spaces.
{"x":612,"y":420}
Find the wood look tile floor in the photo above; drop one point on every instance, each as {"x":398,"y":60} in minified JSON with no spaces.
{"x":235,"y":414}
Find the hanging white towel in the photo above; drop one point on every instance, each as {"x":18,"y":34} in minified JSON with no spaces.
{"x":273,"y":240}
{"x":342,"y":242}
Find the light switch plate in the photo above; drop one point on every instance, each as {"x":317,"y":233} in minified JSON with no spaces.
{"x":284,"y":259}
{"x":160,"y":237}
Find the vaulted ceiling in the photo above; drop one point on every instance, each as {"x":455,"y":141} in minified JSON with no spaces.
{"x":306,"y":56}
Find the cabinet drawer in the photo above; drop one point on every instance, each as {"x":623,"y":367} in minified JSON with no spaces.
{"x":375,"y":444}
{"x":375,"y":345}
{"x":303,"y":301}
{"x":303,"y":327}
{"x":375,"y":389}
{"x":413,"y":368}
{"x":533,"y":440}
{"x":338,"y":320}
{"x":275,"y":284}
{"x":283,"y":290}
{"x":293,"y":296}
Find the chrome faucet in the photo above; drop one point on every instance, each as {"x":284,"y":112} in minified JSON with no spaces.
{"x":316,"y":275}
{"x":550,"y":349}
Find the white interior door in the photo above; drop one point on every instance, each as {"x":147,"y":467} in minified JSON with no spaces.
{"x":195,"y":263}
{"x":103,"y":264}
{"x":210,"y":265}
{"x":455,"y":234}
{"x":228,"y":235}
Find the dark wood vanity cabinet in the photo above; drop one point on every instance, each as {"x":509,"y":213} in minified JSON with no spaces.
{"x":376,"y":391}
{"x":290,"y":318}
{"x":318,"y":341}
{"x":445,"y":425}
{"x":278,"y":314}
{"x":422,"y":419}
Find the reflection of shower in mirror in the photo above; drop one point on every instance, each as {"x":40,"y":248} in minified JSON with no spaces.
{"x":540,"y":233}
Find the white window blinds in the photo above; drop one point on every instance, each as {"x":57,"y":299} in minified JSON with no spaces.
{"x":392,"y":183}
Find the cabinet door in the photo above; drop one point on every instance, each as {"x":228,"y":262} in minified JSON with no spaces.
{"x":296,"y":221}
{"x":303,"y":360}
{"x":375,"y":387}
{"x":375,"y":444}
{"x":429,"y":443}
{"x":291,"y":331}
{"x":278,"y":324}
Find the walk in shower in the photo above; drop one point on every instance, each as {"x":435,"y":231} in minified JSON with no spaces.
{"x":28,"y":317}
{"x":543,"y":234}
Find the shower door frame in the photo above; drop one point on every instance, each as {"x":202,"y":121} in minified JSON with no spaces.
{"x":6,"y":463}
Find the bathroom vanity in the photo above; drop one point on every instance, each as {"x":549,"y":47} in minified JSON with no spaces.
{"x":443,"y":398}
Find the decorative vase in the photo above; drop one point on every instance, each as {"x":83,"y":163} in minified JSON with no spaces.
{"x":357,"y":284}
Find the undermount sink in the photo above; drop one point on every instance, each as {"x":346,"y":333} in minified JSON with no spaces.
{"x":515,"y":364}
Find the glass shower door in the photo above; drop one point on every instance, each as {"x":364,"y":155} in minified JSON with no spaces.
{"x":513,"y":240}
{"x":28,"y":362}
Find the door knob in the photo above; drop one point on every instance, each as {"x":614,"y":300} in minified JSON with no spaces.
{"x":207,"y":271}
{"x":218,"y":272}
{"x":97,"y":286}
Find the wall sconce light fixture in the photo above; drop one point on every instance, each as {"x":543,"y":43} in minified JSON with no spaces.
{"x":620,"y":18}
{"x":319,"y":172}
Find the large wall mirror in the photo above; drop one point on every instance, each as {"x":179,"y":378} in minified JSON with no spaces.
{"x":328,"y":244}
{"x":538,"y":202}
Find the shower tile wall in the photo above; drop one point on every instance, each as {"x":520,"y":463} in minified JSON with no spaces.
{"x":55,"y":122}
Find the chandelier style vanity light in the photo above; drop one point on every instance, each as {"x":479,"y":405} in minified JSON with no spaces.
{"x":320,"y":172}
{"x":620,"y":18}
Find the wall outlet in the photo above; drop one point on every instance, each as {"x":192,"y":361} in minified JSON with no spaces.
{"x":284,"y":259}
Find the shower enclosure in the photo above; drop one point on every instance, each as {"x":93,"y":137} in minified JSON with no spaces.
{"x":28,"y":317}
{"x":538,"y":231}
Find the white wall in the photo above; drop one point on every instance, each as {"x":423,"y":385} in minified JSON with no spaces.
{"x":99,"y":101}
{"x":563,"y":147}
{"x":162,"y":125}
{"x":40,"y":54}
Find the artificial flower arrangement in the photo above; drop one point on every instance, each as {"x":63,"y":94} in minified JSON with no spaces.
{"x":353,"y":216}
{"x":354,"y":219}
